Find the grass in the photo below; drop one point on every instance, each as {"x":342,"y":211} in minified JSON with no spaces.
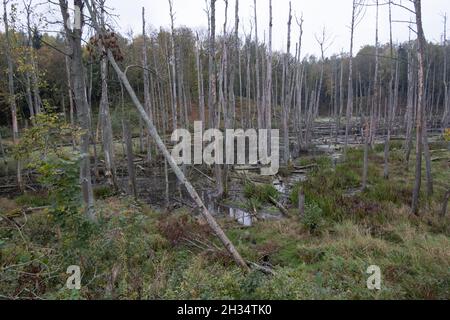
{"x":136,"y":253}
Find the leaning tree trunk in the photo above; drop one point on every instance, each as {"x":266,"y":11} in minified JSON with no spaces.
{"x":162,"y":147}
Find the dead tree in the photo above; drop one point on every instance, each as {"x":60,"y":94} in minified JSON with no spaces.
{"x":161,"y":146}
{"x":286,"y":106}
{"x":105,"y":115}
{"x":410,"y":106}
{"x":147,"y":94}
{"x":37,"y":102}
{"x":391,"y":108}
{"x":446,"y":117}
{"x":421,"y":44}
{"x":268,"y":95}
{"x":299,"y":88}
{"x":201,"y":90}
{"x":172,"y":60}
{"x":78,"y":81}
{"x":259,"y":107}
{"x":376,"y":100}
{"x":357,"y":8}
{"x":12,"y":94}
{"x":128,"y":140}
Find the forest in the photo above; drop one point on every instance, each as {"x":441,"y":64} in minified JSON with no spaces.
{"x":90,"y":179}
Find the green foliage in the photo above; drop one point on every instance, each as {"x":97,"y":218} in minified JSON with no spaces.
{"x":57,"y":167}
{"x":447,"y":135}
{"x":261,"y":193}
{"x":60,"y":174}
{"x":103,"y":192}
{"x":313,"y":218}
{"x":46,"y":137}
{"x":33,"y":200}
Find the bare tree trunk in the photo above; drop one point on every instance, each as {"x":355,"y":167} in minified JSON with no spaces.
{"x":105,"y":116}
{"x":107,"y":134}
{"x":421,"y":43}
{"x":268,"y":95}
{"x":286,"y":106}
{"x":29,"y":95}
{"x":390,"y":111}
{"x":248,"y":85}
{"x":79,"y":88}
{"x":209,"y":218}
{"x":147,"y":94}
{"x":37,"y":103}
{"x":212,"y":100}
{"x":356,"y":11}
{"x":130,"y":158}
{"x":259,"y":107}
{"x":299,"y":85}
{"x":12,"y":96}
{"x":410,"y":109}
{"x":446,"y":117}
{"x":174,"y":68}
{"x":445,"y":204}
{"x":2,"y":152}
{"x":179,"y":173}
{"x":341,"y":99}
{"x":201,"y":90}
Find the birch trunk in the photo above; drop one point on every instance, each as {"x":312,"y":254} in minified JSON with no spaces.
{"x":421,"y":44}
{"x":12,"y":95}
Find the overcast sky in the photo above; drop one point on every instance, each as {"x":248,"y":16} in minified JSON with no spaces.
{"x":334,"y":15}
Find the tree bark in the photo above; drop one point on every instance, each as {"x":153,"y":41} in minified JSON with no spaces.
{"x":286,"y":105}
{"x":147,"y":94}
{"x":128,"y":138}
{"x":174,"y":69}
{"x":421,"y":44}
{"x":12,"y":95}
{"x":79,"y":89}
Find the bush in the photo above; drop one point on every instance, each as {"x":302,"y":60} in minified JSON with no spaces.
{"x":33,"y":200}
{"x":261,"y":193}
{"x":103,"y":192}
{"x":313,"y":218}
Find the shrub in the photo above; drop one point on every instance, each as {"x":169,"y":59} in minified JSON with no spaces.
{"x":262,"y":193}
{"x":313,"y":218}
{"x":33,"y":200}
{"x":103,"y":192}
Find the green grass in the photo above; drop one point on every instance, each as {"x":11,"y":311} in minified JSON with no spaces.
{"x":135,"y":253}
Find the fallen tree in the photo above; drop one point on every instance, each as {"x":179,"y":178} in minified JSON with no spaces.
{"x":163,"y":149}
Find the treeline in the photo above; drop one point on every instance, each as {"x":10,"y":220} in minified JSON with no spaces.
{"x":191,"y":48}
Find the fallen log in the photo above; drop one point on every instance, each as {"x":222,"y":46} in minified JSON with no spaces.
{"x":280,"y":207}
